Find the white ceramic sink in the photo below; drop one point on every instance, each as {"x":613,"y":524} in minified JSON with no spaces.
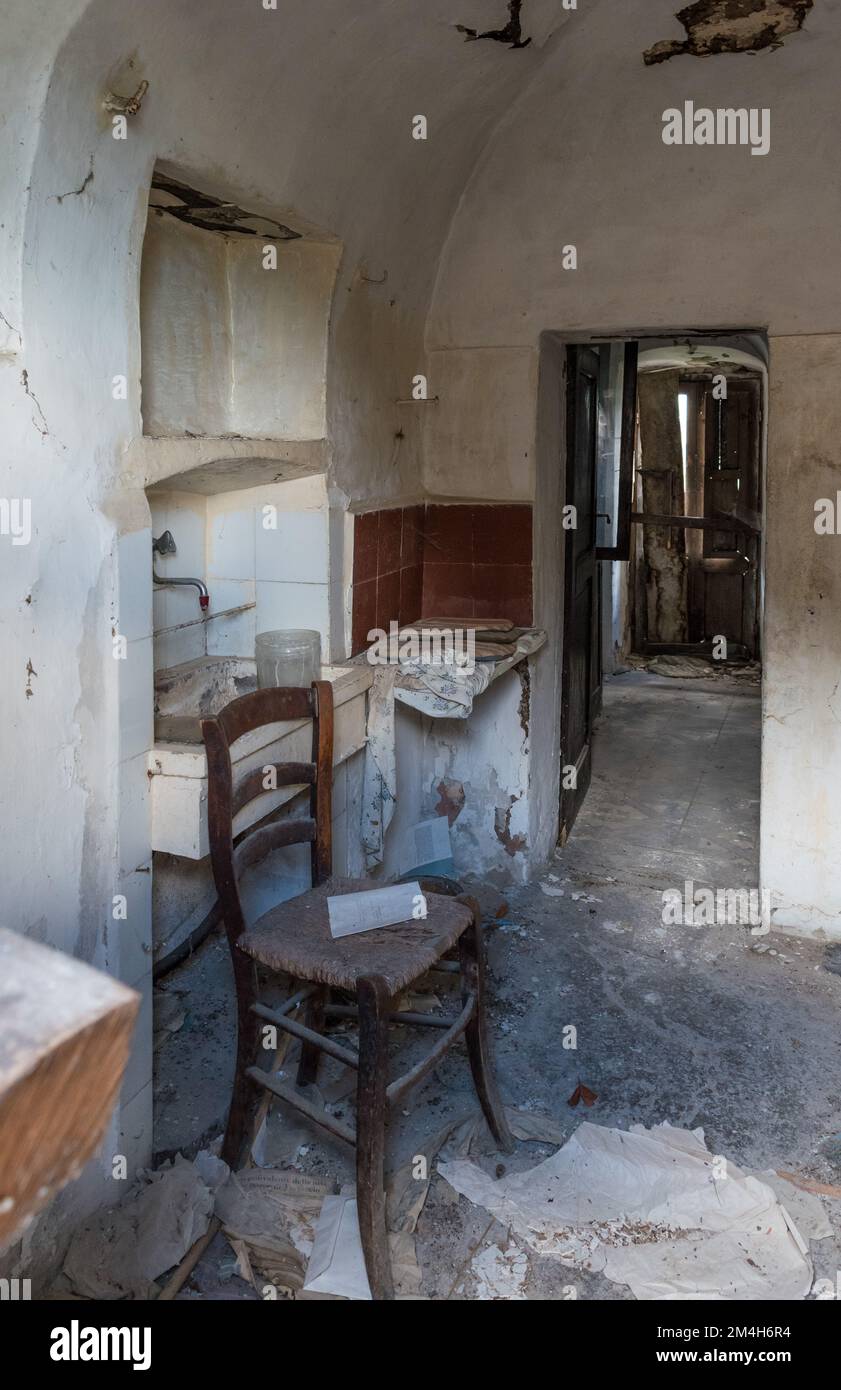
{"x":177,"y":764}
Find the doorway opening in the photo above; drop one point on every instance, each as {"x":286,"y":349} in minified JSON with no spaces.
{"x":662,"y":526}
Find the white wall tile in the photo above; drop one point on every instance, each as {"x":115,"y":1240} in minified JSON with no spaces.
{"x":231,"y":593}
{"x":183,"y":644}
{"x":293,"y":605}
{"x":232,"y":636}
{"x":297,"y":551}
{"x":231,"y":545}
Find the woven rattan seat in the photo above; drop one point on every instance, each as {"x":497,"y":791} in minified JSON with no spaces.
{"x":295,"y":936}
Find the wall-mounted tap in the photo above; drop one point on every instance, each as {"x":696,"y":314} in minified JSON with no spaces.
{"x":165,"y":545}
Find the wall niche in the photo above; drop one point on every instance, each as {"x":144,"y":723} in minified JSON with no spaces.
{"x":234,"y":313}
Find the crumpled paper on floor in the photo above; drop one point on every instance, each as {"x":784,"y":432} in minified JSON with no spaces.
{"x":269,"y":1216}
{"x":652,"y":1209}
{"x":119,"y":1252}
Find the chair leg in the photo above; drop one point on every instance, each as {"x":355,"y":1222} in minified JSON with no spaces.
{"x":245,"y":1097}
{"x":472,"y":960}
{"x":310,"y":1054}
{"x":374,"y":1003}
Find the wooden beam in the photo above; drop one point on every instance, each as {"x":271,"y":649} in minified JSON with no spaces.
{"x":65,"y":1037}
{"x":699,"y":523}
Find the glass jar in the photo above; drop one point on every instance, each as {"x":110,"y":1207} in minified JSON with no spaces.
{"x":288,"y":656}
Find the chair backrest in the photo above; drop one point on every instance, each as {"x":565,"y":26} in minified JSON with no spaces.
{"x":231,"y":854}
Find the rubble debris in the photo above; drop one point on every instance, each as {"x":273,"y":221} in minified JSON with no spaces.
{"x":582,"y":1093}
{"x":684,"y":666}
{"x":269,"y":1217}
{"x":119,"y":1252}
{"x":500,"y":1273}
{"x":652,"y":1209}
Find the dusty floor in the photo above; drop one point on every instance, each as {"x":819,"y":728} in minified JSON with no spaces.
{"x":701,"y":1026}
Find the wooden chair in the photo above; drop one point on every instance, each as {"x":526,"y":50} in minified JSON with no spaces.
{"x":294,"y":938}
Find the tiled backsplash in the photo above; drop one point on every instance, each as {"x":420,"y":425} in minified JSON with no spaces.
{"x":462,"y":560}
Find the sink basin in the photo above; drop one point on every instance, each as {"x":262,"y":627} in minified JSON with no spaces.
{"x":187,"y":693}
{"x":193,"y":690}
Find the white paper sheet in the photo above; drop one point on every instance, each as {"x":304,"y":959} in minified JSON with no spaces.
{"x":652,"y":1209}
{"x":377,"y":907}
{"x":337,"y":1264}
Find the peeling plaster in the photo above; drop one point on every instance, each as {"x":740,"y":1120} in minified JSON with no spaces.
{"x":451,"y":800}
{"x":512,"y":34}
{"x":212,"y":214}
{"x":502,"y":828}
{"x":524,"y":710}
{"x":731,"y":26}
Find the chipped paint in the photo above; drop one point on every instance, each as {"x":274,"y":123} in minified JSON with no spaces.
{"x":451,"y":800}
{"x":514,"y":844}
{"x":731,"y":26}
{"x":212,"y":214}
{"x":524,"y":709}
{"x":512,"y":34}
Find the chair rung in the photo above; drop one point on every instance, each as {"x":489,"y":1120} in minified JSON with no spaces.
{"x":290,"y":1004}
{"x":402,"y":1084}
{"x":299,"y":1030}
{"x":416,"y":1020}
{"x":291,"y":1097}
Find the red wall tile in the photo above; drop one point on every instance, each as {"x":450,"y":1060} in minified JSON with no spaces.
{"x":459,"y":560}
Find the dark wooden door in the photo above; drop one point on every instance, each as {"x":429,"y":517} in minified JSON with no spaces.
{"x":582,"y":676}
{"x":724,"y":564}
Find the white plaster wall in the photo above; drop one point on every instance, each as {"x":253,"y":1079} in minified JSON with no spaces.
{"x":279,"y":323}
{"x":801,"y":709}
{"x":667,"y":238}
{"x":185,"y":330}
{"x":489,"y":452}
{"x":229,"y":346}
{"x":672,"y":236}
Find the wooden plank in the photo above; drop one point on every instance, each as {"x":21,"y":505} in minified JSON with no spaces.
{"x":65,"y":1036}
